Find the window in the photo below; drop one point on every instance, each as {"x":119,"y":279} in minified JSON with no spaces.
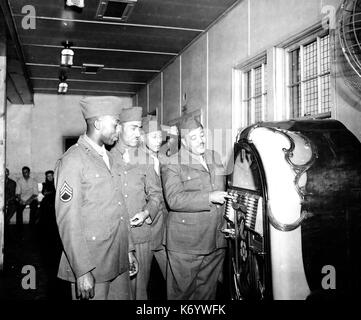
{"x":309,"y":74}
{"x":254,"y":94}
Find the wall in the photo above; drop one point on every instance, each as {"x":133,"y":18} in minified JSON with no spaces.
{"x":201,"y":77}
{"x":35,"y":132}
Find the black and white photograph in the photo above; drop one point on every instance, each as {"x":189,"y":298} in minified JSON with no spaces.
{"x":186,"y":156}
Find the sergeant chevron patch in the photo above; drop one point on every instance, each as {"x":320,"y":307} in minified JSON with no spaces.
{"x":66,"y":192}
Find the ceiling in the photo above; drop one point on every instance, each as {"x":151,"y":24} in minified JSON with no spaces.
{"x":132,"y":51}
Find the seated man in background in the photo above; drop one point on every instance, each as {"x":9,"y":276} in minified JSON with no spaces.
{"x":27,"y":193}
{"x":194,"y":184}
{"x":10,"y":197}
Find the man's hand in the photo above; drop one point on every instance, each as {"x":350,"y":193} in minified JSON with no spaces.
{"x":86,"y":286}
{"x":138,"y":219}
{"x":133,"y":264}
{"x":217,"y":197}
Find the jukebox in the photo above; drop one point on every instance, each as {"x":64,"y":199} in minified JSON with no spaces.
{"x":294,"y":212}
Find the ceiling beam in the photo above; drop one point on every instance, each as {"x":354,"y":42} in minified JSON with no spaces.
{"x":102,"y":49}
{"x":80,"y":67}
{"x":86,"y":90}
{"x":89,"y":81}
{"x":5,"y":8}
{"x":113,"y":23}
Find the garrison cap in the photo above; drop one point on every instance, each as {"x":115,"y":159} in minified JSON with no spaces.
{"x":188,"y":124}
{"x":92,"y":107}
{"x":131,"y":114}
{"x":151,"y":125}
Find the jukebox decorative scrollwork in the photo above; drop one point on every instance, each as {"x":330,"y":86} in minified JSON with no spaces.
{"x":300,"y":170}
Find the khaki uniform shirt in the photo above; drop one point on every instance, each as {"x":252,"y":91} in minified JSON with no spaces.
{"x":139,"y":186}
{"x":194,"y":224}
{"x":91,"y":215}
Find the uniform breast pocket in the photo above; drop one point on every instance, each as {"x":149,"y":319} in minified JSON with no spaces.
{"x":192,"y":182}
{"x":96,"y":184}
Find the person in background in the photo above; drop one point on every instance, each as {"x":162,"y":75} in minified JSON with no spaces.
{"x":91,"y":212}
{"x":10,"y":197}
{"x":194,"y":184}
{"x":142,"y":192}
{"x":27,"y":193}
{"x":49,"y":234}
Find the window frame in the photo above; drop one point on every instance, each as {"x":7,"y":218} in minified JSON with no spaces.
{"x":240,"y":108}
{"x":299,"y":41}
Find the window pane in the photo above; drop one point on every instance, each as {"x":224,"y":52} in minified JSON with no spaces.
{"x":247,"y":86}
{"x":311,"y":97}
{"x":325,"y":94}
{"x":295,"y":102}
{"x":258,"y":109}
{"x":295,"y":66}
{"x":258,"y":81}
{"x":325,"y":54}
{"x":310,"y":60}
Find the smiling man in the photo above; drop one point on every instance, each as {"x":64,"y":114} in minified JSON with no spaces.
{"x":91,"y":212}
{"x":193,"y":184}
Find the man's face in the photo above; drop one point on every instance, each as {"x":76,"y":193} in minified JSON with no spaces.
{"x":26,"y":173}
{"x":130,"y":133}
{"x":153,"y":140}
{"x":195,"y":141}
{"x":109,"y":129}
{"x":50,"y":177}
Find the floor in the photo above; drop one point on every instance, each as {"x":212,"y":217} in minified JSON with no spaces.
{"x":33,"y":247}
{"x":27,"y":247}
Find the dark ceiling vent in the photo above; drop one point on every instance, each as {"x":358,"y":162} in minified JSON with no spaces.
{"x":118,"y":10}
{"x":89,"y":68}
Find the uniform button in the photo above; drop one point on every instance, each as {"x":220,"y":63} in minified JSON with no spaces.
{"x":189,"y":178}
{"x":94,"y":238}
{"x":126,"y":195}
{"x":97,"y":175}
{"x":183,"y":221}
{"x":125,"y":172}
{"x":120,"y":203}
{"x":121,"y":218}
{"x":125,"y":184}
{"x":218,"y":206}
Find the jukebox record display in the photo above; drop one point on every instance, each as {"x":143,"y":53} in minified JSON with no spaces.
{"x":294,"y":213}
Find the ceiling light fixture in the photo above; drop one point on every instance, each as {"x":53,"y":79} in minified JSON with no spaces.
{"x":75,"y":3}
{"x":63,"y":86}
{"x":67,"y":54}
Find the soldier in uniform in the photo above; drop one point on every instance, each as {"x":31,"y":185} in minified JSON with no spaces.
{"x":90,"y":209}
{"x":193,"y":184}
{"x":152,"y":143}
{"x":142,"y":192}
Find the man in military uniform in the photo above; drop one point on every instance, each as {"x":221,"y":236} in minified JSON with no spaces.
{"x":142,"y":192}
{"x":193,"y":184}
{"x":90,"y":209}
{"x":152,"y":143}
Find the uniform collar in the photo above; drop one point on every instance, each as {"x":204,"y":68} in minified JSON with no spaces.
{"x":192,"y":160}
{"x":99,"y":149}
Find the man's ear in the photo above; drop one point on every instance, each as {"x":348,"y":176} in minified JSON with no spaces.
{"x":97,"y":124}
